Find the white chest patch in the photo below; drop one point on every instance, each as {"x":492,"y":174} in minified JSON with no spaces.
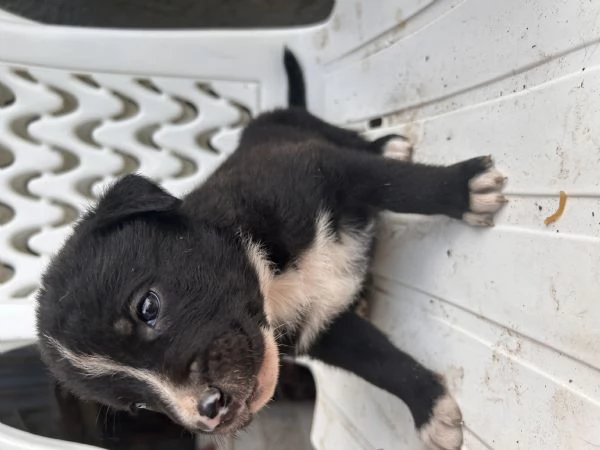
{"x":324,"y":281}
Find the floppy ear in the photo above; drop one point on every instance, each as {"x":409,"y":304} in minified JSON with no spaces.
{"x":132,"y":195}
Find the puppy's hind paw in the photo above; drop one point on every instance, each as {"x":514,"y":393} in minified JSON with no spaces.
{"x":444,"y":430}
{"x":398,"y":148}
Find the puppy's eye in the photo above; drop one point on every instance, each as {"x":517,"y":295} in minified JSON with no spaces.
{"x":139,"y":405}
{"x":148,"y":308}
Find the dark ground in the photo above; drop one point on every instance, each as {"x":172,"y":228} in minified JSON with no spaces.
{"x":173,"y":13}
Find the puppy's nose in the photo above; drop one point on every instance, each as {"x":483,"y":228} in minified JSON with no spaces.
{"x":211,"y":402}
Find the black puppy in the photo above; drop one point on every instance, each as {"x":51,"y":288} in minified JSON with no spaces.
{"x":183,"y":306}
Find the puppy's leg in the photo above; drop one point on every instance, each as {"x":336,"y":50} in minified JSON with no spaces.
{"x":299,"y":118}
{"x":469,"y":190}
{"x":391,"y":146}
{"x":353,"y":344}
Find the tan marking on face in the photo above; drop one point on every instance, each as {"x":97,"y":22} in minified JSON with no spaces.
{"x":181,"y":400}
{"x":123,"y":327}
{"x":268,"y":374}
{"x":322,"y":284}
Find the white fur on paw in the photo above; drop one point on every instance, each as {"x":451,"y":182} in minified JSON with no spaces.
{"x":489,"y":180}
{"x":485,"y":198}
{"x":444,"y":429}
{"x":486,"y":203}
{"x":398,"y":148}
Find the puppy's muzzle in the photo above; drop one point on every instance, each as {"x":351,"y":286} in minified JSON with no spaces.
{"x":214,"y":410}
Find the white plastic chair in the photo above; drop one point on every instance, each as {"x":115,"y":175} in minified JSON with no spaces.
{"x":510,"y":315}
{"x":78,"y":107}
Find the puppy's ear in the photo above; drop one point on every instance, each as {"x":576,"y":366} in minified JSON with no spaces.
{"x":131,"y":196}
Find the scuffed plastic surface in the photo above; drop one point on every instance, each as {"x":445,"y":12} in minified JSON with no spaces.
{"x":508,"y":315}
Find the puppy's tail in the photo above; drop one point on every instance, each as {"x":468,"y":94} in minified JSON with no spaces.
{"x":296,"y":86}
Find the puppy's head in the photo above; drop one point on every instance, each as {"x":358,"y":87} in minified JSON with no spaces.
{"x":144,"y":308}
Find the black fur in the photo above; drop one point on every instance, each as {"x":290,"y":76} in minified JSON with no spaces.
{"x":296,"y":85}
{"x":354,"y":344}
{"x":132,"y":196}
{"x":290,"y":167}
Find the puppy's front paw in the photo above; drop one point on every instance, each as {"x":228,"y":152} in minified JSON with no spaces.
{"x":485,"y":197}
{"x":398,"y":147}
{"x":443,"y":431}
